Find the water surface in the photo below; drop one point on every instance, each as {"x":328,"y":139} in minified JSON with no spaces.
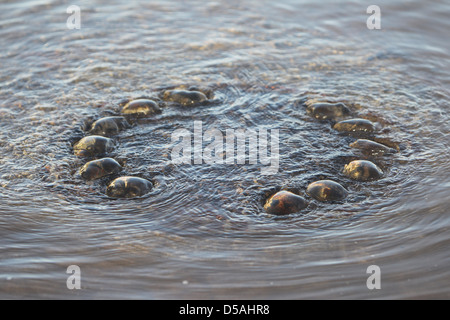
{"x":202,"y":233}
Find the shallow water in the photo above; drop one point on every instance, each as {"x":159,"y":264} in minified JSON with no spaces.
{"x":202,"y":233}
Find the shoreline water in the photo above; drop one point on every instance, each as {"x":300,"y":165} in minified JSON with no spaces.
{"x":202,"y":233}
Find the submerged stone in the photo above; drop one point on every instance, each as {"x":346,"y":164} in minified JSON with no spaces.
{"x":391,"y":143}
{"x":92,"y":146}
{"x":328,"y":111}
{"x":185,"y":97}
{"x":371,"y":147}
{"x":284,"y":202}
{"x":141,"y":108}
{"x":355,"y":125}
{"x":128,"y":187}
{"x":109,"y":126}
{"x":363,"y":170}
{"x":100,"y":168}
{"x":326,"y":190}
{"x":208,"y":92}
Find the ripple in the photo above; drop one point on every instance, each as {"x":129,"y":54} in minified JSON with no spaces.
{"x":202,"y":231}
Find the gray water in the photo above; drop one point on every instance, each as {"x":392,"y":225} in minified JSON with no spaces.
{"x":202,"y":232}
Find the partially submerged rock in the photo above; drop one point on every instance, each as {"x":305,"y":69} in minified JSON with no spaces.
{"x":185,"y":97}
{"x":327,"y":190}
{"x":355,"y":126}
{"x":109,"y":126}
{"x":328,"y":111}
{"x":284,"y":202}
{"x":92,"y":146}
{"x":97,"y":169}
{"x":141,"y":108}
{"x":128,"y":187}
{"x":363,"y":170}
{"x":371,"y":147}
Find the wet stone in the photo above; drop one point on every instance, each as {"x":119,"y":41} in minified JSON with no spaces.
{"x":284,"y":202}
{"x":128,"y":187}
{"x":92,"y":146}
{"x":100,"y":168}
{"x":326,"y":190}
{"x":395,"y":145}
{"x":355,"y":126}
{"x":363,"y":170}
{"x":208,"y":92}
{"x":371,"y":147}
{"x":109,"y":126}
{"x":185,"y":97}
{"x":328,"y":111}
{"x":141,"y":108}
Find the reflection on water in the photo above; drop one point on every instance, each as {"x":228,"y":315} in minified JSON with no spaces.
{"x":202,"y":232}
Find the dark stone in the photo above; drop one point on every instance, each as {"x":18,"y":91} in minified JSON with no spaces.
{"x":97,"y":169}
{"x":109,"y":126}
{"x":355,"y":125}
{"x":284,"y":202}
{"x":372,"y":148}
{"x":328,"y":111}
{"x":363,"y":170}
{"x":184,"y":97}
{"x":92,"y":146}
{"x":326,"y":190}
{"x":141,"y":108}
{"x":129,"y":187}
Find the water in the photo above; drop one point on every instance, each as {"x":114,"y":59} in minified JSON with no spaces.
{"x":202,"y":232}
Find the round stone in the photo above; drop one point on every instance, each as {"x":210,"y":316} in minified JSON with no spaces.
{"x":97,"y":169}
{"x":207,"y":91}
{"x":141,"y":108}
{"x":92,"y":146}
{"x":363,"y":170}
{"x":355,"y":125}
{"x":184,"y":97}
{"x":128,"y":187}
{"x":284,"y":202}
{"x":108,"y":126}
{"x":371,"y":147}
{"x":326,"y":190}
{"x":328,"y":111}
